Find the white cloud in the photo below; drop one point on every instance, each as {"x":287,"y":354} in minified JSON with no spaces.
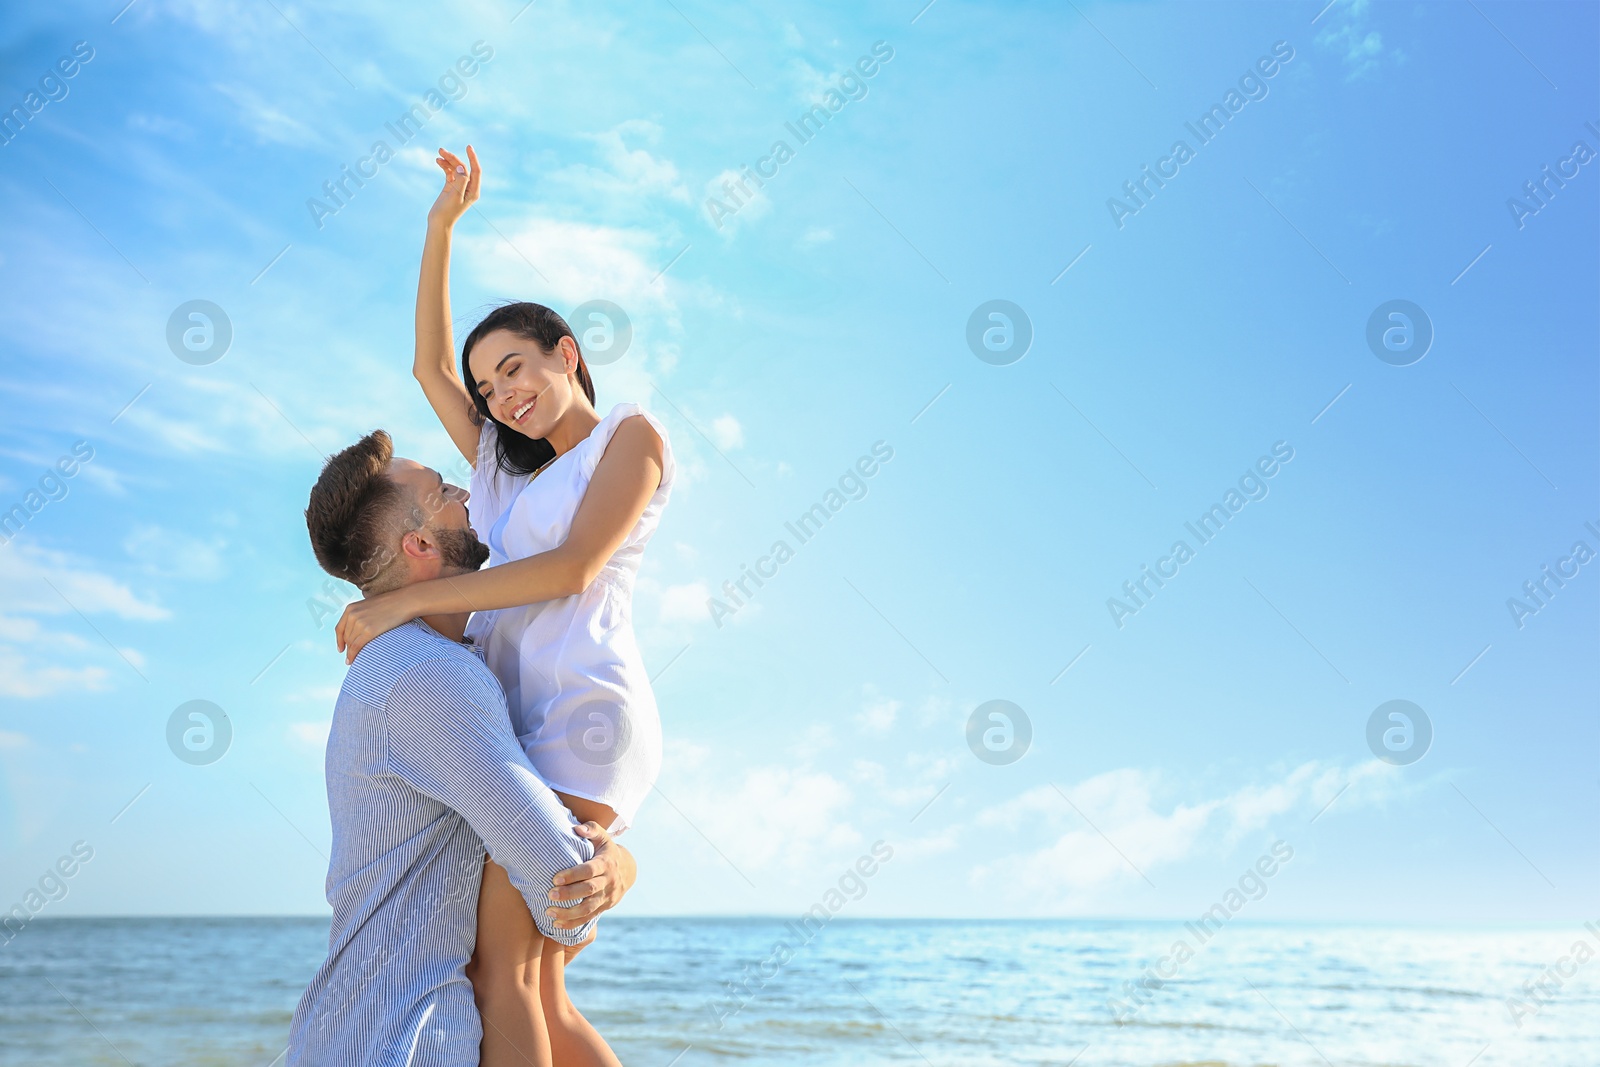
{"x":816,"y":235}
{"x":633,"y":172}
{"x":27,"y":575}
{"x":222,"y":417}
{"x":170,"y":434}
{"x":727,"y":432}
{"x":23,"y":678}
{"x":19,"y":629}
{"x":685,"y":603}
{"x":1346,"y":34}
{"x":781,"y":817}
{"x":310,"y":734}
{"x":104,"y":478}
{"x":1116,"y":828}
{"x":684,"y":756}
{"x":935,"y":709}
{"x":419,"y":161}
{"x":169,"y":553}
{"x":817,"y":739}
{"x":934,"y":844}
{"x":741,"y":202}
{"x":219,"y":18}
{"x":665,"y":354}
{"x":933,"y":768}
{"x":809,"y":83}
{"x":869,"y":772}
{"x":12,"y":740}
{"x":877,"y":715}
{"x":41,"y":582}
{"x":743,"y":615}
{"x":578,"y":260}
{"x":267,"y":122}
{"x":160,"y":125}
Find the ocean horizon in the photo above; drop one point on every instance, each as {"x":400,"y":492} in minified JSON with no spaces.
{"x":208,"y":991}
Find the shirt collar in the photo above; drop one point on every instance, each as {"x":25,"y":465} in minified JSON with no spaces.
{"x":466,"y":642}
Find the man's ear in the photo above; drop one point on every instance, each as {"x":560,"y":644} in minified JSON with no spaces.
{"x":419,"y":545}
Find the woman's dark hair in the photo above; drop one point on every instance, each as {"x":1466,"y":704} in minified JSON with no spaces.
{"x":517,"y":453}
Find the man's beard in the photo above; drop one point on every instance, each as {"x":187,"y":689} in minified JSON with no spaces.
{"x":461,"y":549}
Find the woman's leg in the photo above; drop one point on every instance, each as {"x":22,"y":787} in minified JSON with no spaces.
{"x":505,"y":973}
{"x":573,"y":1041}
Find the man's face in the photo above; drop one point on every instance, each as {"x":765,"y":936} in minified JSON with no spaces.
{"x":444,"y":508}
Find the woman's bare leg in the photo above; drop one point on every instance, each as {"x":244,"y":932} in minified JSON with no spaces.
{"x":573,"y":1041}
{"x":505,"y":973}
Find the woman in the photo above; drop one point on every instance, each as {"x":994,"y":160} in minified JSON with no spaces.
{"x":566,"y":501}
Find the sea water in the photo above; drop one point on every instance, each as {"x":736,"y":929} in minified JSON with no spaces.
{"x":208,"y":992}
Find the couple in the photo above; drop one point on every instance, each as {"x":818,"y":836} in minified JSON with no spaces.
{"x":478,"y":770}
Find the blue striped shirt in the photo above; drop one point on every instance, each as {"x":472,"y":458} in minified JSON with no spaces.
{"x":423,"y":774}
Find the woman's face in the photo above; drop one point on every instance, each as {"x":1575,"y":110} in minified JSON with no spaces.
{"x":525,"y":388}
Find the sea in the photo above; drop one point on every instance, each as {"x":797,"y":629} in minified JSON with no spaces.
{"x":685,"y":992}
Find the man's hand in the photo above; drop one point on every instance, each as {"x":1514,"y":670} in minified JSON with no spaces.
{"x":600,"y":883}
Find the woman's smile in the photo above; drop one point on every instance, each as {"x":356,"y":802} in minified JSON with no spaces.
{"x":524,"y":409}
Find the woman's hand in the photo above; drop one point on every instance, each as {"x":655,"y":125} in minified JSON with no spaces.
{"x":434,"y":361}
{"x":365,"y":619}
{"x":600,"y":883}
{"x":460,"y":188}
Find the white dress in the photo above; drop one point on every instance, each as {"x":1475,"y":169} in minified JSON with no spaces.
{"x":579,"y":695}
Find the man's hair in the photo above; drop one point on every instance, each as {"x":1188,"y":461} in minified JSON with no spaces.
{"x":357,"y":514}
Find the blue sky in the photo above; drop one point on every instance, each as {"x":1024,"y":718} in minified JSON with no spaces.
{"x":827,"y":314}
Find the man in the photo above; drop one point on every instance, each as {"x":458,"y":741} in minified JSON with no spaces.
{"x":423,"y":774}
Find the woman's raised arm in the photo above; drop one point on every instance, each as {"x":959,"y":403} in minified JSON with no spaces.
{"x":434,"y":364}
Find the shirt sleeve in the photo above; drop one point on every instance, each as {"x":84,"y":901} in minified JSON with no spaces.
{"x":449,"y":743}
